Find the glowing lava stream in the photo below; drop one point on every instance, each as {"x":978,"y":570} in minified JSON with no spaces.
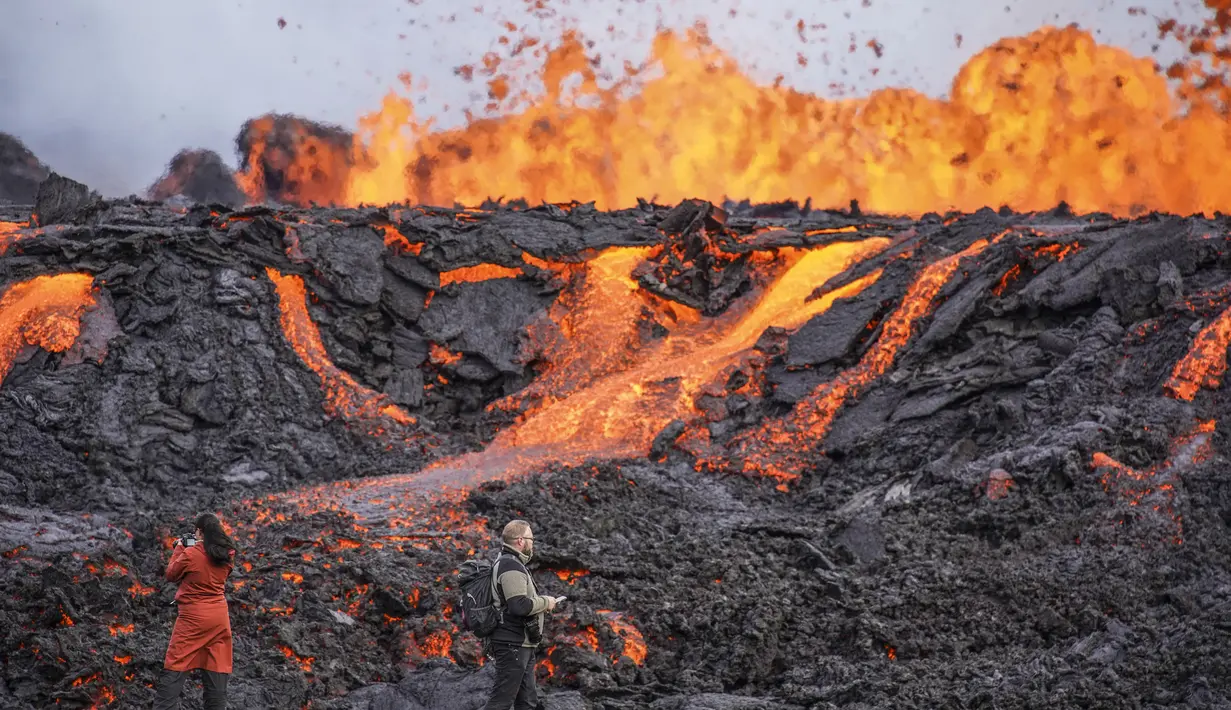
{"x":1205,"y":362}
{"x":619,"y":413}
{"x":44,"y":311}
{"x":343,"y":395}
{"x":769,"y":450}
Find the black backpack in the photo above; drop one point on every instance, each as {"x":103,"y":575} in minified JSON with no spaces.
{"x":480,"y":604}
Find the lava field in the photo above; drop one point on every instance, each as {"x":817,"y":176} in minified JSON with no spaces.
{"x":777,"y":457}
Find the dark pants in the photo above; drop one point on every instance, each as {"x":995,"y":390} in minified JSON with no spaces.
{"x":515,"y":686}
{"x":170,"y":683}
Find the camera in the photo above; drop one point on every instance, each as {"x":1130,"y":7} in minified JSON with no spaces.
{"x":188,"y":540}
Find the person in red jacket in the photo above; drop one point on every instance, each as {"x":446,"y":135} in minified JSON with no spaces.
{"x":202,"y":634}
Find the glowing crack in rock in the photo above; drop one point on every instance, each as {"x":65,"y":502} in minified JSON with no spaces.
{"x":344,"y":396}
{"x":46,"y":312}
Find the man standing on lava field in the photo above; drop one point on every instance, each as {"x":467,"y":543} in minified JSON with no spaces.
{"x":514,"y":641}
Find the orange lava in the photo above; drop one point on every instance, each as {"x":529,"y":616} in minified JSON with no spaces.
{"x":120,"y":629}
{"x":634,"y":642}
{"x":480,"y":272}
{"x":137,"y":589}
{"x":1206,"y":360}
{"x":809,"y":422}
{"x":440,"y":355}
{"x":1029,"y":121}
{"x":397,"y":242}
{"x":313,"y":167}
{"x":570,"y":576}
{"x":619,"y":410}
{"x":1156,"y":487}
{"x":304,"y":662}
{"x":44,"y":311}
{"x":343,"y":395}
{"x":11,"y":233}
{"x":437,"y":643}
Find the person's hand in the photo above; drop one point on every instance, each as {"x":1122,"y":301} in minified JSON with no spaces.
{"x":551,"y":603}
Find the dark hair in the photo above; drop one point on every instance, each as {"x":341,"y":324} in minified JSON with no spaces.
{"x":218,"y":545}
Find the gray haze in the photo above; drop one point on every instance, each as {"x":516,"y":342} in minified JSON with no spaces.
{"x":107,"y":92}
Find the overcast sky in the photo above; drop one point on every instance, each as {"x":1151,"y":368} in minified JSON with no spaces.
{"x":107,"y":92}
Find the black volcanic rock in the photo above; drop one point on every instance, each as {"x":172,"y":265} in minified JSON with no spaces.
{"x":61,"y":200}
{"x":199,"y":175}
{"x":20,"y":171}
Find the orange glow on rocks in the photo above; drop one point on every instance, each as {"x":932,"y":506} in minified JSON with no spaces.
{"x":1030,"y":121}
{"x":1206,"y":361}
{"x":343,"y":395}
{"x":634,"y":642}
{"x":437,"y":644}
{"x":1155,"y":488}
{"x":304,"y":662}
{"x":44,"y":311}
{"x":138,"y":589}
{"x":440,"y":355}
{"x":570,"y":576}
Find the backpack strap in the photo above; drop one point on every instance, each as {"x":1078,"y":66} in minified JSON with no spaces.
{"x":496,"y":595}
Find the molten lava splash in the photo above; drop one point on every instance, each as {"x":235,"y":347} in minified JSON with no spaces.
{"x":768,"y":450}
{"x":44,"y":311}
{"x":1155,"y":488}
{"x":1030,"y":121}
{"x":619,"y":414}
{"x":343,"y":395}
{"x":1205,"y":362}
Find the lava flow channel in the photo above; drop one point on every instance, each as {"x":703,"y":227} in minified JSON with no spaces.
{"x":619,"y":412}
{"x":44,"y":311}
{"x":775,"y":448}
{"x":343,"y":395}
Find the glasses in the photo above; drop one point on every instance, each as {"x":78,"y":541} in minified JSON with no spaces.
{"x":526,"y":538}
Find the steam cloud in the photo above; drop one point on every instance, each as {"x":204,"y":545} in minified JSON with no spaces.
{"x":108,"y":93}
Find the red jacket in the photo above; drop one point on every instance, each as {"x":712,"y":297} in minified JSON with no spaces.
{"x":202,"y":581}
{"x":202,"y":634}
